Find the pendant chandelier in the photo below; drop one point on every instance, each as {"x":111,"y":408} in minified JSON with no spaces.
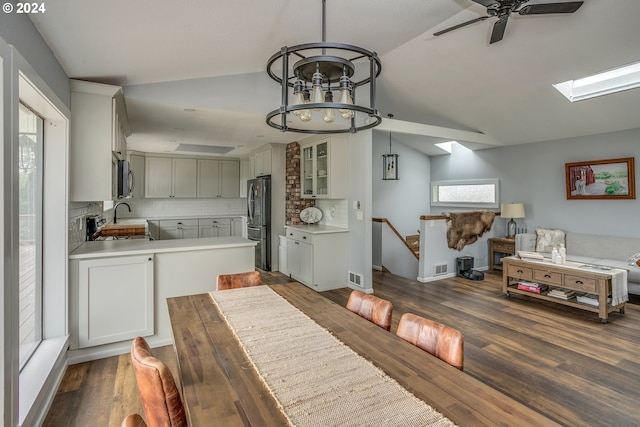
{"x":390,"y":164}
{"x":307,"y":97}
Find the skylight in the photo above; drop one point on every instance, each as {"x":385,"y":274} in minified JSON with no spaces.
{"x":446,"y":146}
{"x":612,"y":81}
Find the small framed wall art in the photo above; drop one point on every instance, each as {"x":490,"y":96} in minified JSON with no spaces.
{"x":601,"y":179}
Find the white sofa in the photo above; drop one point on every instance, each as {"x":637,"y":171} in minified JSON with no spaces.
{"x":595,"y":249}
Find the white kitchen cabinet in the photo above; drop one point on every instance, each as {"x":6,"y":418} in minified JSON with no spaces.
{"x":323,"y":168}
{"x":218,"y":178}
{"x":116,"y":299}
{"x":178,"y":229}
{"x":136,"y":161}
{"x":214,"y":227}
{"x":245,"y":175}
{"x":170,"y":177}
{"x":300,"y":260}
{"x":184,"y":177}
{"x":318,"y":260}
{"x":98,"y":132}
{"x":237,"y":225}
{"x":262,"y":163}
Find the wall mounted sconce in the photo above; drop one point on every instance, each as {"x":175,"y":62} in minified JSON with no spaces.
{"x":389,"y":164}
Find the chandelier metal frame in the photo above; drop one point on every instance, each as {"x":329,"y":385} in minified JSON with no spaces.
{"x":333,"y":69}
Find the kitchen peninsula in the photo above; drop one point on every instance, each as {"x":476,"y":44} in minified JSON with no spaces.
{"x":118,"y":288}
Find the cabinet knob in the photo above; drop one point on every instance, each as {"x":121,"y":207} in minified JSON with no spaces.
{"x":150,"y":259}
{"x":579,"y":282}
{"x":520,"y":271}
{"x":304,"y":237}
{"x":179,"y":223}
{"x":547,"y":276}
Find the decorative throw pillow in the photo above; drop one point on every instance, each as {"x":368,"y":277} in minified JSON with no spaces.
{"x":547,"y":239}
{"x":634,"y":259}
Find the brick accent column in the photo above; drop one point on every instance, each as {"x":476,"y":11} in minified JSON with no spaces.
{"x":293,"y":202}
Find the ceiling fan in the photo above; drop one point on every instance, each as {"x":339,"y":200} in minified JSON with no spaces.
{"x":502,"y":9}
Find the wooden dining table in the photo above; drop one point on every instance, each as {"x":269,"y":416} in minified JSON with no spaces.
{"x":221,"y":387}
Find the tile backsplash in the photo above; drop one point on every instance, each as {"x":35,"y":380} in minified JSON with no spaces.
{"x":78,"y":212}
{"x":154,"y":208}
{"x":334,"y":212}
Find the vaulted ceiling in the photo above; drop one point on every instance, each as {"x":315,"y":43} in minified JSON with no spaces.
{"x":210,"y":56}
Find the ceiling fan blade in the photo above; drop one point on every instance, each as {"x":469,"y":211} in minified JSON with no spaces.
{"x":464,"y":24}
{"x":539,"y":9}
{"x":498,"y":29}
{"x":485,"y":3}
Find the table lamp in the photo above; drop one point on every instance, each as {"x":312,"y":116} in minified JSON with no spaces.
{"x":512,"y":210}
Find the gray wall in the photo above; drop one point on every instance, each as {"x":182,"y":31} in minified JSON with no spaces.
{"x":19,"y":31}
{"x":403,"y":201}
{"x":534,"y":174}
{"x":359,"y":191}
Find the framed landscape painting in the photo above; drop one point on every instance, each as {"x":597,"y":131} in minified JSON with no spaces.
{"x":601,"y":179}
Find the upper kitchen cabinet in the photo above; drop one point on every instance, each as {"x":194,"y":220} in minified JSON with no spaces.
{"x":218,"y":178}
{"x":99,"y":127}
{"x":170,"y":177}
{"x":261,"y":162}
{"x":323,"y":168}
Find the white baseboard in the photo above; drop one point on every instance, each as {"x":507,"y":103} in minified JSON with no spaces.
{"x":377,"y":267}
{"x":434,"y":278}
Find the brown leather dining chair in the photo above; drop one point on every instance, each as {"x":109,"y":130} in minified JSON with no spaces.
{"x":435,"y":338}
{"x":238,"y":280}
{"x":160,"y":397}
{"x":133,"y":420}
{"x":372,"y":308}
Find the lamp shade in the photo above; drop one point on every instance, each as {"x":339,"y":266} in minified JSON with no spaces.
{"x":512,"y":210}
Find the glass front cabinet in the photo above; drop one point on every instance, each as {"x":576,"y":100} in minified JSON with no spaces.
{"x":324,"y":168}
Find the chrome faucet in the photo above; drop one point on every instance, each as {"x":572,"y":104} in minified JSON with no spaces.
{"x":115,"y":210}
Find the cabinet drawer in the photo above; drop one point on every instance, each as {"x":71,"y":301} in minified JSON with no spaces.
{"x":178,"y":222}
{"x":215,"y":221}
{"x":523,"y":273}
{"x":548,"y":277}
{"x":300,"y":236}
{"x":504,"y":247}
{"x":580,"y":283}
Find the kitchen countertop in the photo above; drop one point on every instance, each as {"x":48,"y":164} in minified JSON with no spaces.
{"x":109,"y":248}
{"x":318,"y":228}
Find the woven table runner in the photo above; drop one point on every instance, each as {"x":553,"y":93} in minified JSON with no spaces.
{"x":316,"y":379}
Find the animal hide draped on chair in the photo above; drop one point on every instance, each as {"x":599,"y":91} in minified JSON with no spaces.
{"x":464,"y":228}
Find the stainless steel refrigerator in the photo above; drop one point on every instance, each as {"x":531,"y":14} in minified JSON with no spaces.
{"x":259,"y":219}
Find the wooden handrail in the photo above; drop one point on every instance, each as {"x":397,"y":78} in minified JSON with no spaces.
{"x":386,"y":221}
{"x":434,"y":217}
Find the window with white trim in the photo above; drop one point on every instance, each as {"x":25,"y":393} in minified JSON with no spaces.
{"x":475,"y":193}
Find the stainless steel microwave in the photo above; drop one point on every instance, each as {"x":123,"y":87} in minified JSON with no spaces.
{"x":126,"y":179}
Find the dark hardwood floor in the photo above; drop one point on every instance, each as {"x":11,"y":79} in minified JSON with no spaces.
{"x":560,"y":361}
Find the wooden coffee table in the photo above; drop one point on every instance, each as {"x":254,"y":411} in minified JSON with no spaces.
{"x":594,"y":280}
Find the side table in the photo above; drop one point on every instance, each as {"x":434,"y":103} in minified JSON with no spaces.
{"x":500,"y":245}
